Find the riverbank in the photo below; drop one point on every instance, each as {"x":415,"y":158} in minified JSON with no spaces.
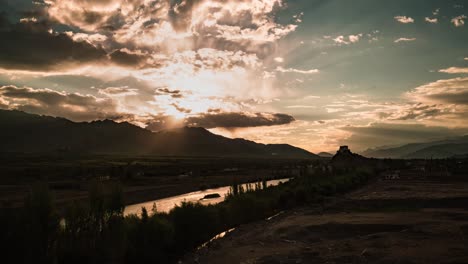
{"x":205,"y":197}
{"x":400,"y":221}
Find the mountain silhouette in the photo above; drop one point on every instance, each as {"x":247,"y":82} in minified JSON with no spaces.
{"x":435,"y":149}
{"x":29,"y":133}
{"x":325,"y":155}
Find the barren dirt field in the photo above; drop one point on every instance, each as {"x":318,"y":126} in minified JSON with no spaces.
{"x":397,"y":221}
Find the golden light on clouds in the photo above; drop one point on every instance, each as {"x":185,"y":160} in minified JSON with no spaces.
{"x":274,"y":71}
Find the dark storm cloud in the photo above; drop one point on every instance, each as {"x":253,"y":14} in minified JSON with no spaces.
{"x":74,"y":106}
{"x":29,"y":46}
{"x":238,"y":120}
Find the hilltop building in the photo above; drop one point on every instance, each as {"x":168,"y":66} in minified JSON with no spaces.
{"x":344,"y":150}
{"x":344,"y":158}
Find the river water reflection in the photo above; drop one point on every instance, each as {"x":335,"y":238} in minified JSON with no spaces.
{"x":166,"y":204}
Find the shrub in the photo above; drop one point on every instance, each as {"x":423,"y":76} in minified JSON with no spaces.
{"x":194,"y":224}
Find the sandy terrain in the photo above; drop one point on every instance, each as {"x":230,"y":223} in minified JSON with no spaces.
{"x":400,"y":221}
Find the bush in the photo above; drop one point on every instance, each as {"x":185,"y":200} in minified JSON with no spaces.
{"x":194,"y":224}
{"x":149,"y":240}
{"x":245,"y":208}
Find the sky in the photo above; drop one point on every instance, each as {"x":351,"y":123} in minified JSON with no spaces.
{"x":311,"y":73}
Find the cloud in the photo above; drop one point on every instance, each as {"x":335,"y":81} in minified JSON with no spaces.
{"x":348,"y":40}
{"x":238,"y":120}
{"x":90,"y":15}
{"x":455,"y":70}
{"x":150,"y":29}
{"x":172,"y":25}
{"x":312,"y":97}
{"x":301,"y":106}
{"x":30,"y":46}
{"x":90,"y":38}
{"x":440,"y":103}
{"x":418,"y":111}
{"x":404,"y":40}
{"x":28,"y":19}
{"x":180,"y":13}
{"x":215,"y":118}
{"x":279,"y":59}
{"x":122,"y":104}
{"x":434,"y":20}
{"x":205,"y":48}
{"x":378,"y":134}
{"x":340,"y":40}
{"x":354,"y":38}
{"x":34,"y":46}
{"x":167,"y":91}
{"x":162,"y":122}
{"x":292,"y":70}
{"x":181,"y":109}
{"x":125,"y":57}
{"x":118,"y":91}
{"x":404,"y":19}
{"x":74,"y":106}
{"x":450,"y":91}
{"x":208,"y":58}
{"x":431,"y":111}
{"x":459,"y":20}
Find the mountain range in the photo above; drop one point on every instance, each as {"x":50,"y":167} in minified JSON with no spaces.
{"x":453,"y":147}
{"x":325,"y":155}
{"x":29,"y":133}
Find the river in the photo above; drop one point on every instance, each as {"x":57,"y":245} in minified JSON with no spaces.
{"x":166,"y":204}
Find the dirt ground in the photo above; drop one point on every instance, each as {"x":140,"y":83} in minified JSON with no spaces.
{"x":398,"y":221}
